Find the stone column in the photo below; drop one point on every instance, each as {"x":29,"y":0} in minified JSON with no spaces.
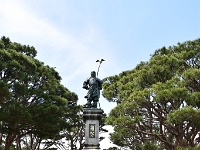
{"x":91,"y":117}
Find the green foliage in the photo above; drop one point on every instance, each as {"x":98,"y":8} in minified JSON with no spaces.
{"x":32,"y":99}
{"x":158,"y":101}
{"x":149,"y":146}
{"x":188,"y":148}
{"x":185,"y":114}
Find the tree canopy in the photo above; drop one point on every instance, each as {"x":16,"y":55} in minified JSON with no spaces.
{"x":32,"y":100}
{"x":158,"y":101}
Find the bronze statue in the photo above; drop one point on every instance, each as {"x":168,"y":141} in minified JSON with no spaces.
{"x":93,"y":85}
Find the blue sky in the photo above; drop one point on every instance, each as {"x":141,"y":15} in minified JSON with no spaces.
{"x":72,"y":34}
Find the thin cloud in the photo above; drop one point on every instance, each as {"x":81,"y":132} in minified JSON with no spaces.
{"x":73,"y":56}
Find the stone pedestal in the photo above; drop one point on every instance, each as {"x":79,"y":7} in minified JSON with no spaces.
{"x":91,"y":117}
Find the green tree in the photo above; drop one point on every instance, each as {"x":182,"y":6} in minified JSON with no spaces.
{"x":158,"y":101}
{"x":32,"y":100}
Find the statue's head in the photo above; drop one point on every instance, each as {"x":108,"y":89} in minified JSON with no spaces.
{"x":93,"y":74}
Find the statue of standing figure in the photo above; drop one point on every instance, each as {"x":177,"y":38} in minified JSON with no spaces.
{"x":93,"y":85}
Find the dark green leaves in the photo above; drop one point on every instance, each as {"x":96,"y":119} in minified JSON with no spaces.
{"x":159,"y":98}
{"x":32,"y":99}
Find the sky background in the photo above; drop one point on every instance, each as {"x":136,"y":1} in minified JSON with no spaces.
{"x":72,"y":34}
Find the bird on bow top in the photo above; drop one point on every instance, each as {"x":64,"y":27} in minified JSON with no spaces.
{"x":100,"y":61}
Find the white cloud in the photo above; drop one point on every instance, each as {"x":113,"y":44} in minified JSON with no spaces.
{"x":17,"y":19}
{"x":73,"y":55}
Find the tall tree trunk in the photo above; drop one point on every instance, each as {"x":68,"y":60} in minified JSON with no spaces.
{"x":18,"y":144}
{"x":9,"y":141}
{"x":1,"y":134}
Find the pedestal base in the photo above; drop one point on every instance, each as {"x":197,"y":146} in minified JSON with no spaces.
{"x":91,"y":147}
{"x":91,"y":117}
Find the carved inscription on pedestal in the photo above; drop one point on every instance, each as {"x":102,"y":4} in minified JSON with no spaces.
{"x":91,"y":130}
